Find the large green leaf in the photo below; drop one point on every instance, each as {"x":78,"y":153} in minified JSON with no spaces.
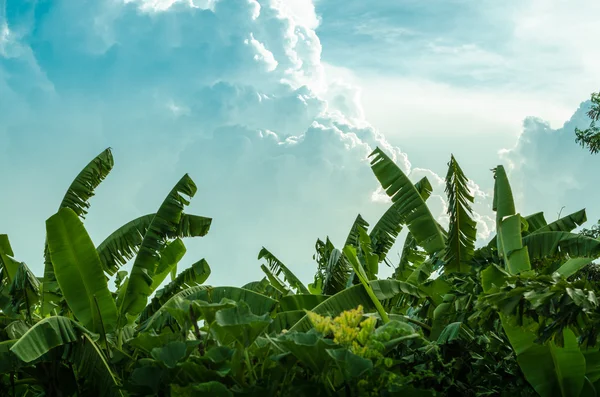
{"x":309,"y":348}
{"x":333,"y":270}
{"x":277,"y":267}
{"x":93,"y":369}
{"x":354,"y":296}
{"x":354,"y":234}
{"x":258,"y":303}
{"x":5,"y":247}
{"x":24,"y":289}
{"x":508,"y":225}
{"x":550,"y":369}
{"x":192,"y":276}
{"x":572,"y":266}
{"x":169,"y":258}
{"x":47,"y":334}
{"x":566,"y":223}
{"x":410,"y":259}
{"x":462,"y":234}
{"x":79,"y":272}
{"x":301,"y":302}
{"x":165,"y":223}
{"x":516,"y":256}
{"x":239,"y":324}
{"x":411,"y":255}
{"x":77,"y":199}
{"x":544,"y":244}
{"x":286,"y":320}
{"x":123,"y":244}
{"x":413,"y":209}
{"x":535,"y":221}
{"x":82,"y":188}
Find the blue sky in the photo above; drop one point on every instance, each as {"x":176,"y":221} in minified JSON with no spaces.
{"x":272,"y":106}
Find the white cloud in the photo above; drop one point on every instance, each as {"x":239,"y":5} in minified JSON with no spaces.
{"x":233,"y":92}
{"x":549,"y":171}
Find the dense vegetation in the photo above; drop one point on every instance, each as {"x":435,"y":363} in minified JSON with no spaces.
{"x":517,"y":317}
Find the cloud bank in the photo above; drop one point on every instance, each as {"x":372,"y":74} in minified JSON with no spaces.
{"x":231,"y":91}
{"x":550,"y":172}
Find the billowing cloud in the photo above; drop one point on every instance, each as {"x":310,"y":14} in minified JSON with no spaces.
{"x":231,"y":91}
{"x":550,"y":172}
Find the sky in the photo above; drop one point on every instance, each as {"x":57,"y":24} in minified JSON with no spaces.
{"x":273,"y":106}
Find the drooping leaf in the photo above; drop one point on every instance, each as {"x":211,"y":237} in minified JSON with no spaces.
{"x":47,"y":334}
{"x":165,"y":223}
{"x":79,"y":272}
{"x":544,"y":244}
{"x":413,"y":209}
{"x":277,"y":267}
{"x":93,"y":369}
{"x":462,"y":234}
{"x":25,"y":288}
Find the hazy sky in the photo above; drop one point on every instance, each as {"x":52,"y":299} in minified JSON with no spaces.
{"x":272,"y":107}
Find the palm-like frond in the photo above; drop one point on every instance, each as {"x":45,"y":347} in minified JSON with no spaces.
{"x":413,"y":209}
{"x":77,"y":199}
{"x":547,"y":244}
{"x":165,"y":223}
{"x":82,"y":188}
{"x":410,"y":259}
{"x":190,"y":277}
{"x":47,"y":334}
{"x":123,"y":244}
{"x":354,"y":234}
{"x":24,"y":289}
{"x":462,"y":234}
{"x":277,"y":267}
{"x":332,"y":270}
{"x":565,"y":224}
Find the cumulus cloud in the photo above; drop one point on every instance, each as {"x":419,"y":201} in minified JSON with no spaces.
{"x":550,"y":172}
{"x":231,"y":91}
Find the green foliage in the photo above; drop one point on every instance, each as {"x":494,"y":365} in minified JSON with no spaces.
{"x":590,"y":137}
{"x":516,"y":317}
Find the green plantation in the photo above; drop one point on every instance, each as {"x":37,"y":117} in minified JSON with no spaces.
{"x":518,"y":317}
